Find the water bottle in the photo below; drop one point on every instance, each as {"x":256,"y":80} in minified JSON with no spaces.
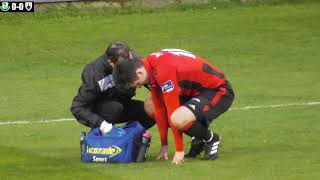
{"x":144,"y":147}
{"x":83,"y":134}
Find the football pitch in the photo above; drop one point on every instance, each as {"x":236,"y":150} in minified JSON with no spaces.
{"x":271,"y":54}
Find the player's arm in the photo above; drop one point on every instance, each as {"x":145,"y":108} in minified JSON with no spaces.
{"x":82,"y":102}
{"x":160,"y":115}
{"x":170,"y":92}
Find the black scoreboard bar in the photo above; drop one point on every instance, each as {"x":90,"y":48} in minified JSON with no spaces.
{"x":21,"y":6}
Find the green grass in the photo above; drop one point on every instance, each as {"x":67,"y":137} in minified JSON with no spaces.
{"x":270,"y":53}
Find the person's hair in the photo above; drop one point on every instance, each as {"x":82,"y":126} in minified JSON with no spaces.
{"x":124,"y":73}
{"x":118,"y":51}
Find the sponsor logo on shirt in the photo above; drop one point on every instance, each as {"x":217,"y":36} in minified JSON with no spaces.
{"x":167,"y":86}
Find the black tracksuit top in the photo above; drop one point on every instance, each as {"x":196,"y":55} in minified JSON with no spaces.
{"x":97,"y":85}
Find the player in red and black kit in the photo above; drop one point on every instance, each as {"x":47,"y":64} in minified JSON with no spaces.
{"x":187,"y":92}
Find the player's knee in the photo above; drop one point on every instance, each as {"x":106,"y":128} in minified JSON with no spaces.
{"x":148,"y":107}
{"x":181,"y":117}
{"x":178,"y":118}
{"x":175,"y":120}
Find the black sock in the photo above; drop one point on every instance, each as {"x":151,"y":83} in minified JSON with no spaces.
{"x":198,"y":131}
{"x":213,"y":136}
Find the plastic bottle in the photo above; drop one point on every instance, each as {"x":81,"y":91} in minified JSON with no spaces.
{"x":83,"y":134}
{"x":144,"y":147}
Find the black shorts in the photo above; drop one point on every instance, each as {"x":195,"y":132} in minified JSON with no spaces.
{"x":116,"y":112}
{"x":210,"y":104}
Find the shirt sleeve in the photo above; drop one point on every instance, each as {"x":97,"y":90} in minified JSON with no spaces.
{"x":170,"y":91}
{"x":160,"y":114}
{"x":82,"y":102}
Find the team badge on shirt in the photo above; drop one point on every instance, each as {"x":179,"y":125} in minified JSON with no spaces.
{"x":167,"y":86}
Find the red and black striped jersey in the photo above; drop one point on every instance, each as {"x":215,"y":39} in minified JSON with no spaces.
{"x":174,"y":73}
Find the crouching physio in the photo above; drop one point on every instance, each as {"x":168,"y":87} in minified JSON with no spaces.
{"x":99,"y":106}
{"x":188,"y":94}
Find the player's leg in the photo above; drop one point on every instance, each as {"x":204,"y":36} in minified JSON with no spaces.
{"x":212,"y":145}
{"x":110,"y":111}
{"x":218,"y":106}
{"x":183,"y":118}
{"x":187,"y":119}
{"x":199,"y":113}
{"x":135,"y":110}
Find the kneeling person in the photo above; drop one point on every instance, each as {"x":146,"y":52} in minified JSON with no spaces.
{"x":99,"y":104}
{"x":187,"y":92}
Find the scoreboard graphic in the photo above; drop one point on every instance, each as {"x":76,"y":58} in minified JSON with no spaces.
{"x":27,"y":6}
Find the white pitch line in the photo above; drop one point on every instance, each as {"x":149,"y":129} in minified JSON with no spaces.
{"x":33,"y":122}
{"x":275,"y":106}
{"x":231,"y":109}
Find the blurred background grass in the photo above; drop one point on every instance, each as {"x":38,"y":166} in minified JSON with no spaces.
{"x":269,"y":52}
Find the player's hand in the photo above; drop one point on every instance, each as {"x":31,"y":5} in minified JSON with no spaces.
{"x":178,"y":158}
{"x":163,"y":154}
